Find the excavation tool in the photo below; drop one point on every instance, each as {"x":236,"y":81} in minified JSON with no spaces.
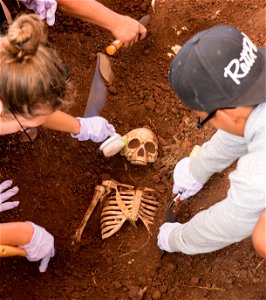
{"x":6,"y":251}
{"x":6,"y":12}
{"x":117,"y":44}
{"x":113,"y":145}
{"x":98,"y":92}
{"x":139,"y":146}
{"x":171,"y":206}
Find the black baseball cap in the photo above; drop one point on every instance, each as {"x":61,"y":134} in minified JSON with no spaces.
{"x":219,"y":68}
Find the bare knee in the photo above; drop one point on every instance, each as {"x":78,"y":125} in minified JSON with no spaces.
{"x":259,"y":235}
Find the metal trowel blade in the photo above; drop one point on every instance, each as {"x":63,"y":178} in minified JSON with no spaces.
{"x":98,"y":92}
{"x":170,"y":215}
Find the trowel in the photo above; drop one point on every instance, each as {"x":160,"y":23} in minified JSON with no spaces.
{"x":97,"y":97}
{"x":170,"y":214}
{"x":98,"y":92}
{"x":117,"y":44}
{"x":172,"y":204}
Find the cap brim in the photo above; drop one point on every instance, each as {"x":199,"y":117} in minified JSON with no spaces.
{"x":256,"y":94}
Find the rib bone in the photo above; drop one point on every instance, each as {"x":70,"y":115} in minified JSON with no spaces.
{"x":128,"y":205}
{"x":125,"y":203}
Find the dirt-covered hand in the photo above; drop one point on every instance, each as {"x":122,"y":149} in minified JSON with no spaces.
{"x":41,"y":247}
{"x":45,"y":9}
{"x":163,"y":236}
{"x":96,"y":129}
{"x":184,"y":182}
{"x":129,"y":31}
{"x":6,"y":193}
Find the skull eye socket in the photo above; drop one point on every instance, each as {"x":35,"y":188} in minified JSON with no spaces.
{"x":150,"y":147}
{"x":133,"y":143}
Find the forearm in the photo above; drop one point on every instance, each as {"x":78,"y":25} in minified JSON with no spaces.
{"x":90,"y":11}
{"x":230,"y":220}
{"x":62,"y":122}
{"x":15,"y":233}
{"x":216,"y":155}
{"x":213,"y":229}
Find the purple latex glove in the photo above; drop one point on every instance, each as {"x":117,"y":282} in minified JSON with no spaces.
{"x":96,"y":129}
{"x":45,"y":9}
{"x":5,"y":195}
{"x":41,"y":247}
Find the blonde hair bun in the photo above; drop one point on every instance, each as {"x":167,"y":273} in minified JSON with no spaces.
{"x":25,"y":35}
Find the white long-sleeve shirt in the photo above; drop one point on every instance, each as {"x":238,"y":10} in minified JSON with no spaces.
{"x":232,"y":219}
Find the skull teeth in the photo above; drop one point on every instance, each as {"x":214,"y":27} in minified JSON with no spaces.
{"x":137,"y":162}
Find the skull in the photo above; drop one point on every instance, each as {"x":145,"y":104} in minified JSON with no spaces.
{"x":142,"y":147}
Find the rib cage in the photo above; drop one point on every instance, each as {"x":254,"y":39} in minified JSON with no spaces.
{"x":124,"y":203}
{"x":127,"y":204}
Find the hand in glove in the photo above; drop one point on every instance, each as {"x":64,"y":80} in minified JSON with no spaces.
{"x":5,"y":195}
{"x":184,"y":183}
{"x":163,"y":236}
{"x":45,"y":9}
{"x":96,"y":129}
{"x":41,"y":247}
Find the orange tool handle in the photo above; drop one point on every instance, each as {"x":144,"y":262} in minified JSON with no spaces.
{"x":114,"y":47}
{"x":117,"y":44}
{"x":6,"y":251}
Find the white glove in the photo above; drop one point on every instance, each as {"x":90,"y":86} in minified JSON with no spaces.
{"x":41,"y":247}
{"x":6,"y":195}
{"x":96,"y":129}
{"x":184,"y":182}
{"x":163,"y":236}
{"x":45,"y":9}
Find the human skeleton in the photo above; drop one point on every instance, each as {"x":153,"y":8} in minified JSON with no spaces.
{"x":124,"y":203}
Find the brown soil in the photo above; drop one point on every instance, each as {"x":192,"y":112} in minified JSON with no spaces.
{"x":57,"y":175}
